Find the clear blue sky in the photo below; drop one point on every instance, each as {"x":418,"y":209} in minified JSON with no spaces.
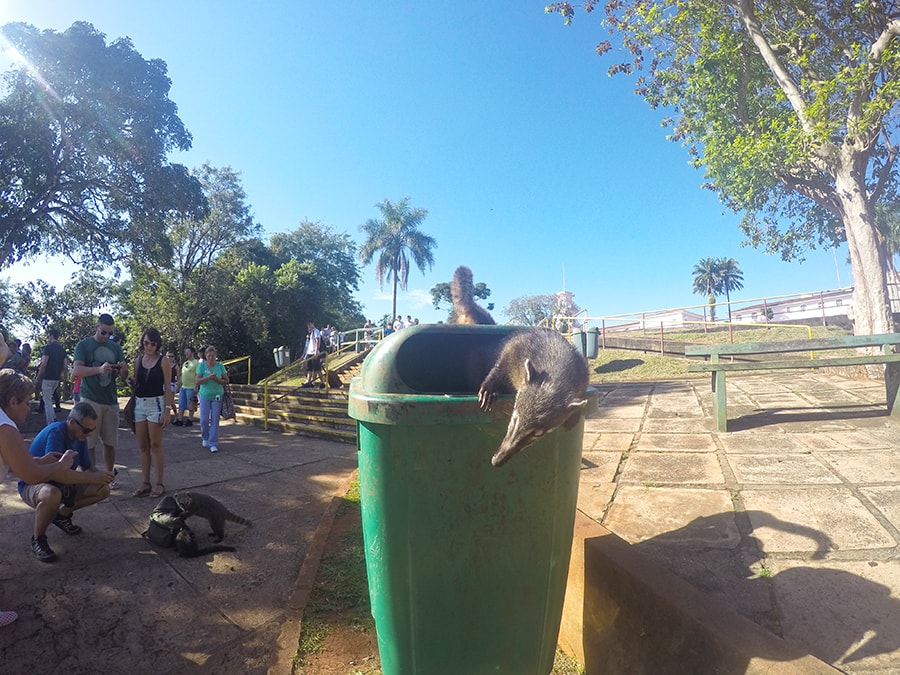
{"x":494,"y":116}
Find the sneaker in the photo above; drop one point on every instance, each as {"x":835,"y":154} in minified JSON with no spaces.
{"x":7,"y":618}
{"x":213,"y":448}
{"x":177,"y":423}
{"x":114,"y":485}
{"x":188,"y":423}
{"x":205,"y":443}
{"x":66,"y":525}
{"x":41,"y":549}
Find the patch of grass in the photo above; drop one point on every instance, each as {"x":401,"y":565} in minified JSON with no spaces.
{"x":340,"y":595}
{"x":564,"y":664}
{"x":626,"y":365}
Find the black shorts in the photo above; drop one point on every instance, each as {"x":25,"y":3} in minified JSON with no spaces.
{"x":314,"y":365}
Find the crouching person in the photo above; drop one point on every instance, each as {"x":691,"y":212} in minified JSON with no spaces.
{"x":56,"y":501}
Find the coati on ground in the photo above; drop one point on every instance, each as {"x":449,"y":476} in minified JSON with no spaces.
{"x":197,"y":504}
{"x":185,"y":545}
{"x":547,"y":374}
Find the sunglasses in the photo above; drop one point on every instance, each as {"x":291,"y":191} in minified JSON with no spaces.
{"x":85,"y":429}
{"x":104,"y":333}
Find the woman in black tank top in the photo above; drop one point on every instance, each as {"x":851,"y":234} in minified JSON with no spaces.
{"x":153,"y":398}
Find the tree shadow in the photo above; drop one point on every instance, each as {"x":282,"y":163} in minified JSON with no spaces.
{"x":618,"y":365}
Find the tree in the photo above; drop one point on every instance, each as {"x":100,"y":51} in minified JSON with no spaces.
{"x":731,"y":278}
{"x":706,"y":282}
{"x":791,"y":108}
{"x":531,"y":310}
{"x":179,"y":292}
{"x":333,"y":259}
{"x":440,"y":294}
{"x":72,"y":311}
{"x":394,"y":239}
{"x":85,"y":128}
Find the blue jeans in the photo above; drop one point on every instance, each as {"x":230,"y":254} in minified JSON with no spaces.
{"x":209,"y":420}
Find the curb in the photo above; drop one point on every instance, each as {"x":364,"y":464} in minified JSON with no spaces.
{"x":289,"y":638}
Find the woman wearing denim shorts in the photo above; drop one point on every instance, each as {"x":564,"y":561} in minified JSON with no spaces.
{"x":153,"y":398}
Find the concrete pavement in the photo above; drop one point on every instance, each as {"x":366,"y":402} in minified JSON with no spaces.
{"x":792,"y":518}
{"x":114,"y":603}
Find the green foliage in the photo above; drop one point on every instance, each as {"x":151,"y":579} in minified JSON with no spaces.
{"x":440,"y":294}
{"x":394,"y":239}
{"x":790,"y":108}
{"x":85,"y":128}
{"x":72,"y":311}
{"x":178,"y":294}
{"x":332,"y":256}
{"x":531,"y":310}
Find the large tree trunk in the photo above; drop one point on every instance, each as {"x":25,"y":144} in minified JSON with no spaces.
{"x":868,"y":257}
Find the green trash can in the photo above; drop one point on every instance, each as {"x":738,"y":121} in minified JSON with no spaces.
{"x":593,"y":341}
{"x":467,"y":563}
{"x":579,"y":340}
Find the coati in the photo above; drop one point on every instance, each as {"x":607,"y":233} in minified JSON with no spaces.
{"x":549,"y":378}
{"x":186,"y":545}
{"x":462,"y":292}
{"x":547,"y":374}
{"x":197,"y":504}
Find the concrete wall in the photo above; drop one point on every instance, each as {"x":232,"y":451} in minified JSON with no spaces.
{"x":625,"y":614}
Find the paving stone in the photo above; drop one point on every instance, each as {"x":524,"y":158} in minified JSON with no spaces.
{"x":608,"y":441}
{"x":672,"y":468}
{"x":677,"y":425}
{"x":865,"y":467}
{"x":844,"y":612}
{"x":887,"y":500}
{"x":858,"y":439}
{"x":812,"y":519}
{"x":775,"y":468}
{"x":594,"y":498}
{"x":676,"y":443}
{"x":632,"y":424}
{"x":756,"y":441}
{"x":702,"y":518}
{"x":599,"y":467}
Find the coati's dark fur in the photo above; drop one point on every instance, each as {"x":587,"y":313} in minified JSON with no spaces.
{"x":198,"y":504}
{"x":547,"y":374}
{"x":186,"y":545}
{"x":462,"y":292}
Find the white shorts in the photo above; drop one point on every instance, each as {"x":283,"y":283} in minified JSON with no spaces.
{"x":149,"y":409}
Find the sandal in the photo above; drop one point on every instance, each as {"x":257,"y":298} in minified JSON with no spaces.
{"x":158,"y":491}
{"x":142,"y":491}
{"x":7,"y":618}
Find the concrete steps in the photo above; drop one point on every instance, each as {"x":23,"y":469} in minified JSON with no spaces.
{"x":313,"y":412}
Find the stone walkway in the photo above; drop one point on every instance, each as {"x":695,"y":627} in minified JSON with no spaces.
{"x":114,"y":603}
{"x":792,"y":517}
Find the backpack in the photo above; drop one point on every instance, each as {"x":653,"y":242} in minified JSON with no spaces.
{"x":165,"y":523}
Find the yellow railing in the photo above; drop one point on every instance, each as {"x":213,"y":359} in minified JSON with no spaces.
{"x":239,"y":359}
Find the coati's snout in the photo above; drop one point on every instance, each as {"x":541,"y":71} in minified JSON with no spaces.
{"x":520,"y":433}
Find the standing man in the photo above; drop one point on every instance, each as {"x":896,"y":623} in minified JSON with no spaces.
{"x":98,"y":360}
{"x":54,"y":362}
{"x":311,"y":353}
{"x":55,"y":502}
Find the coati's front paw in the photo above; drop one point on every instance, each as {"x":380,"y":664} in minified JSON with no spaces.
{"x":486,"y":398}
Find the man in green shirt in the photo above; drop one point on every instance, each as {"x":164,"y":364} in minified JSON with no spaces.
{"x":98,"y":360}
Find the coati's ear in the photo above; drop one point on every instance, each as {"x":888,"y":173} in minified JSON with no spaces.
{"x":530,"y":372}
{"x":575,"y":407}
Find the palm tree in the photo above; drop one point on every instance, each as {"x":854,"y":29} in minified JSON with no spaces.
{"x":706,"y":282}
{"x":731,"y":278}
{"x":395,"y":238}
